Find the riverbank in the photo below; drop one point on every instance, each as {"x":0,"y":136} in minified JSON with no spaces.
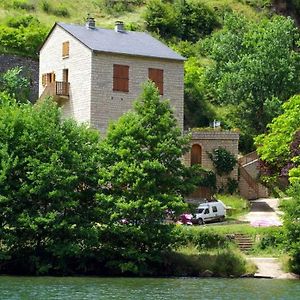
{"x":270,"y":267}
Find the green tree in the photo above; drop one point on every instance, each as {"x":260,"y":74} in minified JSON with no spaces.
{"x":197,"y":110}
{"x":184,"y":20}
{"x":15,"y":84}
{"x":255,"y":69}
{"x":278,"y":148}
{"x":292,"y":226}
{"x":48,"y":180}
{"x":22,"y":35}
{"x":142,"y":177}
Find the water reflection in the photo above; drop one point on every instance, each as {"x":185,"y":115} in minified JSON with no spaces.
{"x":81,"y":288}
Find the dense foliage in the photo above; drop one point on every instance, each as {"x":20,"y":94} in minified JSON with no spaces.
{"x":279,"y":151}
{"x":142,"y":177}
{"x":22,"y":35}
{"x":72,"y":204}
{"x":279,"y":147}
{"x":255,"y":69}
{"x":223,"y":161}
{"x":14,"y":84}
{"x":292,"y":225}
{"x":47,"y":186}
{"x":185,"y":20}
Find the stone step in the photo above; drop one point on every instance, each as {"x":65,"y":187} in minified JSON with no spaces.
{"x":245,"y":242}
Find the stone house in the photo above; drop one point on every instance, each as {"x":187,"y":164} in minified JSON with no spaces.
{"x":95,"y":74}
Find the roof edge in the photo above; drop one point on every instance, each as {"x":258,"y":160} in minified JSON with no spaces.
{"x":140,"y":55}
{"x":51,"y":30}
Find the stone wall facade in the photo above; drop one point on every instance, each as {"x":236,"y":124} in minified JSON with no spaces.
{"x":107,"y":105}
{"x":208,"y":141}
{"x":78,"y":64}
{"x":92,"y":98}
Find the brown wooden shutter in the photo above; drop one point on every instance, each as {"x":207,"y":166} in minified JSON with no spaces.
{"x":121,"y":78}
{"x":157,"y":76}
{"x":65,"y":49}
{"x":44,"y":79}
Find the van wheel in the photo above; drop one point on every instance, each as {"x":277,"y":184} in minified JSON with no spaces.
{"x":200,"y":221}
{"x":221,"y":219}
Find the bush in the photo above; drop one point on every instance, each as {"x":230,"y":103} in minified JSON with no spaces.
{"x":60,"y":11}
{"x":223,"y":161}
{"x":222,"y":263}
{"x":188,"y":20}
{"x":48,"y":212}
{"x":14,"y":84}
{"x":23,"y":4}
{"x":202,"y":238}
{"x":232,"y":185}
{"x":23,"y":35}
{"x":292,"y":226}
{"x":119,"y":6}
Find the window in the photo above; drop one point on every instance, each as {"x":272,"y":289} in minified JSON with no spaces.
{"x":65,"y":49}
{"x":157,"y":76}
{"x":121,"y":78}
{"x":206,"y":211}
{"x":48,"y":78}
{"x":214,"y":209}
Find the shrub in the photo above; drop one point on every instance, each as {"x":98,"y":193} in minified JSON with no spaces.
{"x":202,"y":238}
{"x":22,"y":35}
{"x":23,"y":4}
{"x":188,"y":20}
{"x":232,"y":185}
{"x":46,"y":7}
{"x":48,"y":212}
{"x":61,"y":11}
{"x":223,"y":161}
{"x":221,"y":263}
{"x":119,"y":6}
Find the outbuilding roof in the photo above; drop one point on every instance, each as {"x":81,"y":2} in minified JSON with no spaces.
{"x":125,"y":42}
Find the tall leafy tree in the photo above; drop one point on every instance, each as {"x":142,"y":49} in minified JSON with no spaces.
{"x":255,"y":69}
{"x":279,"y":147}
{"x":142,"y":177}
{"x":13,"y":83}
{"x":48,"y":180}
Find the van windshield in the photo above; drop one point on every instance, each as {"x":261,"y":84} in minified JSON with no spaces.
{"x":200,"y":210}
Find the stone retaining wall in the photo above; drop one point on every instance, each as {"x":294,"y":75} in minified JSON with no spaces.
{"x":30,"y":70}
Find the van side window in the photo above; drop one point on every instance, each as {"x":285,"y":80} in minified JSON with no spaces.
{"x":214,"y":209}
{"x":206,"y":211}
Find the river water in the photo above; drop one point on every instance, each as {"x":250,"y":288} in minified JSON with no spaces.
{"x":81,"y":288}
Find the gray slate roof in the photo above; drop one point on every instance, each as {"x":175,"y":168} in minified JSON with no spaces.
{"x":127,"y":42}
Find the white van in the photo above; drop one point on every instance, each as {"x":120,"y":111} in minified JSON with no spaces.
{"x":210,"y":211}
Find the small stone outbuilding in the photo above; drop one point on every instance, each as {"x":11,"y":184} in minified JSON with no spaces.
{"x":204,"y":142}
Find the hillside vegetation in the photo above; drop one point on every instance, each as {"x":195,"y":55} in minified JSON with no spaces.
{"x":107,"y":12}
{"x":239,"y":82}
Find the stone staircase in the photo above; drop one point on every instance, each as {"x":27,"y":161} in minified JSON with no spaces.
{"x":249,"y":186}
{"x":244,"y":241}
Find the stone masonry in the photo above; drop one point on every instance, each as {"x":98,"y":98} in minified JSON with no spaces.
{"x":92,"y":99}
{"x":210,"y":140}
{"x":107,"y":104}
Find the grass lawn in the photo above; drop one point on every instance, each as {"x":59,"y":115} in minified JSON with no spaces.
{"x":237,"y":205}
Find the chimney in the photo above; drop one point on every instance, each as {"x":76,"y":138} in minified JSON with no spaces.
{"x":119,"y":26}
{"x":90,"y":23}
